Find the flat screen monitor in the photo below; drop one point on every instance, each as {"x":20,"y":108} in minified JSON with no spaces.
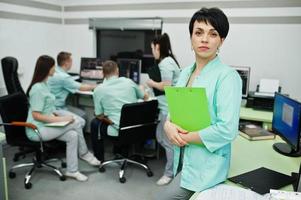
{"x":244,"y":73}
{"x":286,"y":123}
{"x":91,"y":68}
{"x":130,"y":68}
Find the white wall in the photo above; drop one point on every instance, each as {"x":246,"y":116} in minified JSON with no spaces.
{"x":26,"y":41}
{"x":80,"y":41}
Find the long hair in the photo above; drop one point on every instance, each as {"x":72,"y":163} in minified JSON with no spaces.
{"x":165,"y":47}
{"x":43,"y":66}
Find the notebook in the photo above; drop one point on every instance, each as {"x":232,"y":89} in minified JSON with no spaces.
{"x":255,"y":132}
{"x":261,"y":180}
{"x":58,"y":124}
{"x":188,"y":107}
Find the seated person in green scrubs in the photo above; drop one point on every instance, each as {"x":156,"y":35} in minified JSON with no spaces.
{"x":42,"y":110}
{"x":109,"y":98}
{"x":169,"y":70}
{"x":199,"y":167}
{"x":61,"y":84}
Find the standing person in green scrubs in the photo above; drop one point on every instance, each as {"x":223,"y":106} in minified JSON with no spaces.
{"x":42,"y":110}
{"x":169,"y":70}
{"x":198,"y":167}
{"x":61,"y":84}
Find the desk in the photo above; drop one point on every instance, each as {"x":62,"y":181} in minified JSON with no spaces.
{"x":265,"y":117}
{"x":3,"y":183}
{"x":249,"y":155}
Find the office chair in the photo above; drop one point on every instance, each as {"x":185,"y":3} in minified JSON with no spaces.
{"x":138,"y":123}
{"x":10,"y":75}
{"x":13,"y":110}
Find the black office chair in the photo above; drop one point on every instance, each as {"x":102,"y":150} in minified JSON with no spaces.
{"x":12,"y":83}
{"x":13,"y":110}
{"x":138,"y":123}
{"x":10,"y":74}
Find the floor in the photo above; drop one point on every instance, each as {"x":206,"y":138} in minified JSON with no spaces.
{"x":104,"y":186}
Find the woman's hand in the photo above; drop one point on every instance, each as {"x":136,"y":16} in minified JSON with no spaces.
{"x":172,"y":132}
{"x":68,"y":118}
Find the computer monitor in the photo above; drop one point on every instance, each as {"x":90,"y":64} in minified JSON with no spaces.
{"x":287,"y":124}
{"x":91,"y":69}
{"x":130,"y":68}
{"x":244,"y":73}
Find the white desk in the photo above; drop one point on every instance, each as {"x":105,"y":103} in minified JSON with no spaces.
{"x":249,"y":155}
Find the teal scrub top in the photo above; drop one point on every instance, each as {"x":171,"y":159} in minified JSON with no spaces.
{"x":110,"y":96}
{"x":170,"y":71}
{"x":207,"y":165}
{"x":40,"y":100}
{"x":61,"y":84}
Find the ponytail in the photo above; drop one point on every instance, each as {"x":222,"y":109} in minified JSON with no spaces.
{"x":165,"y":47}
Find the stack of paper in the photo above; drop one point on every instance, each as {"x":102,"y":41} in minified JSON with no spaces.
{"x":226,"y":192}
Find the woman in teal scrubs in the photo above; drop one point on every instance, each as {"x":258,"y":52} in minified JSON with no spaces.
{"x":198,"y":167}
{"x":169,"y":70}
{"x":42,"y":111}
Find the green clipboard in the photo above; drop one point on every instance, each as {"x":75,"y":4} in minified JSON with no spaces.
{"x":188,"y":107}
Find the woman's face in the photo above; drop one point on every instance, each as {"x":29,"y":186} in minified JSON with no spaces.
{"x":51,"y":71}
{"x":205,"y":40}
{"x":156,"y":50}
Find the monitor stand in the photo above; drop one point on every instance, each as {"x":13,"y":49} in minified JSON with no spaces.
{"x":286,"y":150}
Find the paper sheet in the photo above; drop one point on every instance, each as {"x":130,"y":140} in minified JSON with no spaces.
{"x":284,"y":195}
{"x":268,"y":85}
{"x":227,"y":192}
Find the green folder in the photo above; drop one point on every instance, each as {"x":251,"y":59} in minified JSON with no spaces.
{"x":188,"y":107}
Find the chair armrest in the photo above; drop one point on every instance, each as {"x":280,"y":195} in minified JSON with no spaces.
{"x":28,"y":125}
{"x":105,"y":120}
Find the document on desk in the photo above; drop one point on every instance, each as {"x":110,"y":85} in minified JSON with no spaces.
{"x":227,"y":192}
{"x":284,"y":195}
{"x":188,"y":107}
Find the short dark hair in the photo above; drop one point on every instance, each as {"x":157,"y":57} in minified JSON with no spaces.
{"x":213,"y":16}
{"x":62,"y":57}
{"x":43,"y":66}
{"x":109,"y":67}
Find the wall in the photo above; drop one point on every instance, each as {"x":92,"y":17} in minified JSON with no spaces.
{"x":33,"y":32}
{"x":27,"y":41}
{"x":263,"y":34}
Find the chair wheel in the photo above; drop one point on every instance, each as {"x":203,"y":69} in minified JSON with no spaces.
{"x":122,"y":180}
{"x":149,"y":173}
{"x":12,"y":175}
{"x":63,"y":165}
{"x":63,"y":178}
{"x":102,"y":169}
{"x":28,"y":186}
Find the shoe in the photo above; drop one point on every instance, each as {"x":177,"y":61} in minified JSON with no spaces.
{"x":164,"y":180}
{"x":76,"y":175}
{"x":90,"y":158}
